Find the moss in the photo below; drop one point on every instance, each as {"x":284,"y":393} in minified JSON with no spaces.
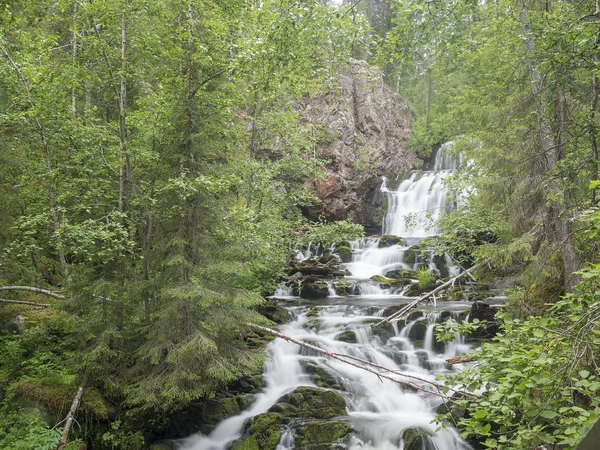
{"x":322,"y":435}
{"x":314,"y":312}
{"x":310,"y":402}
{"x":265,"y":431}
{"x":314,"y":290}
{"x":388,"y":240}
{"x":417,"y":439}
{"x":347,"y":336}
{"x":381,"y":280}
{"x":343,"y":287}
{"x":248,"y":443}
{"x":383,"y":332}
{"x":345,"y":253}
{"x":322,"y":377}
{"x":57,"y":396}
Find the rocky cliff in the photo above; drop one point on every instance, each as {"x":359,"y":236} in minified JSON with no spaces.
{"x":361,"y":130}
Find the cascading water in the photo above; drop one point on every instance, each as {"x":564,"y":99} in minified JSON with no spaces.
{"x":380,"y":410}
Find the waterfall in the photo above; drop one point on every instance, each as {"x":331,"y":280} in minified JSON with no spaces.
{"x":379,"y":409}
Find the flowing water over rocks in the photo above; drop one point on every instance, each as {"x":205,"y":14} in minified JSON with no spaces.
{"x":317,"y":403}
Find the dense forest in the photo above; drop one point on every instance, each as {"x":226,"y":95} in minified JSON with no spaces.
{"x":156,"y":169}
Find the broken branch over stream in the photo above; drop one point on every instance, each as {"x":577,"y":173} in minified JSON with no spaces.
{"x":401,"y":312}
{"x":363,"y":364}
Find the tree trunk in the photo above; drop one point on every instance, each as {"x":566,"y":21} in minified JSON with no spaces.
{"x":70,"y":418}
{"x":552,"y":150}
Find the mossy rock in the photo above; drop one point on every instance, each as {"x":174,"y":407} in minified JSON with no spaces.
{"x":217,"y":410}
{"x":322,"y":377}
{"x":274,"y":313}
{"x":310,"y":402}
{"x":163,"y":445}
{"x":345,"y":253}
{"x":418,"y":330}
{"x":383,"y":331}
{"x":322,"y":435}
{"x":401,"y":273}
{"x":343,"y":287}
{"x":347,"y":336}
{"x":314,"y":290}
{"x":314,"y":312}
{"x":313,"y":324}
{"x":411,"y":255}
{"x":417,"y":439}
{"x":264,"y":433}
{"x":388,"y":240}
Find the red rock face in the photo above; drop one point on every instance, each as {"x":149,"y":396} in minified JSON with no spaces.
{"x":361,"y":129}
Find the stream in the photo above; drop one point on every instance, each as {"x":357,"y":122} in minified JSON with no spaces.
{"x":379,"y":410}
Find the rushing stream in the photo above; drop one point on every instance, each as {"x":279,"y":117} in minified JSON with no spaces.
{"x":379,"y":409}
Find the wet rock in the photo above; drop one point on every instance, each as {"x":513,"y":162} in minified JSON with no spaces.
{"x":314,"y":312}
{"x":310,"y":402}
{"x":163,"y":445}
{"x":383,"y":331}
{"x":264,"y":433}
{"x":387,"y":240}
{"x":404,"y":273}
{"x":484,"y":312}
{"x":418,"y":330}
{"x":274,"y":313}
{"x":345,"y":253}
{"x":322,"y":435}
{"x":417,"y":439}
{"x":313,"y":324}
{"x":312,"y":290}
{"x":323,"y":377}
{"x":347,"y":336}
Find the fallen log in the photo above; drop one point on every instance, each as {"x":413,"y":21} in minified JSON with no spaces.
{"x":353,"y":361}
{"x":69,"y":419}
{"x":33,"y":289}
{"x":398,"y":314}
{"x":459,"y":360}
{"x":23,"y":302}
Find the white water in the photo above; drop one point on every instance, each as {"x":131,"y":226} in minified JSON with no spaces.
{"x":379,"y":409}
{"x":413,"y":211}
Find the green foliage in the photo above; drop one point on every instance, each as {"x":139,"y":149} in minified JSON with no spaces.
{"x":447,"y":331}
{"x":21,"y":431}
{"x":327,"y":233}
{"x":538,"y":383}
{"x":425,"y":277}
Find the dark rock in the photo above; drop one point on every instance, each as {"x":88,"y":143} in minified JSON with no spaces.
{"x":323,"y":377}
{"x":401,"y":274}
{"x":15,"y":326}
{"x":343,"y":287}
{"x":345,"y":253}
{"x":417,"y":439}
{"x":347,"y":336}
{"x":314,"y":290}
{"x":383,"y":331}
{"x":388,"y":240}
{"x":322,"y":435}
{"x":418,"y":330}
{"x":274,"y":313}
{"x":484,"y":313}
{"x":310,"y":402}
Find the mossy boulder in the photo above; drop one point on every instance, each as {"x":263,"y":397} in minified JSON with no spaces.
{"x":383,"y":331}
{"x":417,"y":439}
{"x":322,"y":435}
{"x":264,"y":433}
{"x":388,"y":240}
{"x":343,"y":287}
{"x":274,"y":313}
{"x":323,"y":377}
{"x":314,"y":312}
{"x":382,"y":281}
{"x":310,"y":402}
{"x":347,"y":336}
{"x":401,"y":273}
{"x":345,"y":253}
{"x":312,"y":290}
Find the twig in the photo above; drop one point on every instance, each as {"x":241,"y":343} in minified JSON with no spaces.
{"x":22,"y":302}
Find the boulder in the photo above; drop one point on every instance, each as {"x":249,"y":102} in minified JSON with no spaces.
{"x":264,"y":433}
{"x":388,"y":240}
{"x":323,"y":377}
{"x":274,"y":313}
{"x":417,"y":439}
{"x":484,"y":312}
{"x":322,"y":435}
{"x":310,"y":402}
{"x":345,"y":253}
{"x":347,"y":336}
{"x":312,"y":290}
